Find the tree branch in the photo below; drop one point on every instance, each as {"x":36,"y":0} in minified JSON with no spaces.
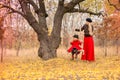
{"x":72,"y":4}
{"x":34,"y":6}
{"x":114,"y":5}
{"x":42,"y":8}
{"x":85,"y":11}
{"x":61,"y":2}
{"x":24,"y":6}
{"x":12,"y":9}
{"x":31,"y":18}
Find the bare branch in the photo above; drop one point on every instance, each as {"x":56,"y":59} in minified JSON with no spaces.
{"x":12,"y":9}
{"x":24,"y":6}
{"x":72,"y":4}
{"x":114,"y":5}
{"x":85,"y":11}
{"x":42,"y":8}
{"x":34,"y":6}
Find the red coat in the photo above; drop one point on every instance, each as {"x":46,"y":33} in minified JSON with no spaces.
{"x":75,"y":44}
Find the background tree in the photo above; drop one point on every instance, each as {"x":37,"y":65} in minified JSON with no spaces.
{"x":115,"y":31}
{"x":2,"y":30}
{"x":114,"y":3}
{"x":108,"y":30}
{"x":112,"y":9}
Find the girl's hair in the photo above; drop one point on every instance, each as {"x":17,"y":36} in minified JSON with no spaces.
{"x":76,"y":36}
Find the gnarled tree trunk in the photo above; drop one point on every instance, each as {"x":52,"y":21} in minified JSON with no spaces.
{"x":46,"y":51}
{"x":49,"y":44}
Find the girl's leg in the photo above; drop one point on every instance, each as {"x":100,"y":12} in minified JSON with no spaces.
{"x":72,"y":56}
{"x":76,"y":56}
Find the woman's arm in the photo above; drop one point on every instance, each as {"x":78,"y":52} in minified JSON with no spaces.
{"x":90,"y":29}
{"x":71,"y":43}
{"x":82,"y":28}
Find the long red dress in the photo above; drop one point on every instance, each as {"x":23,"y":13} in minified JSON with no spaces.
{"x":88,"y":49}
{"x":75,"y":44}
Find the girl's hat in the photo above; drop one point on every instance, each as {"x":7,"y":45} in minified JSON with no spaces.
{"x":76,"y":36}
{"x":89,"y":20}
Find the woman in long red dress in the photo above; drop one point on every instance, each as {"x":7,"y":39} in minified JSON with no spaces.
{"x":88,"y":45}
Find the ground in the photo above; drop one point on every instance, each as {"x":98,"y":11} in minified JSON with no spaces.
{"x":33,"y":68}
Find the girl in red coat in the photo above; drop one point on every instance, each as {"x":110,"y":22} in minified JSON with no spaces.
{"x":75,"y":47}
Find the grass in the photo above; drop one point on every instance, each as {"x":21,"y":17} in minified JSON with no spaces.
{"x":30,"y":67}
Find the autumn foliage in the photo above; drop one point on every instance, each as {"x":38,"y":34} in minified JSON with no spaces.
{"x":108,"y":32}
{"x":111,"y":6}
{"x":109,"y":28}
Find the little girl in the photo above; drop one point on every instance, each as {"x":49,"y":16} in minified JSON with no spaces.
{"x":75,"y":48}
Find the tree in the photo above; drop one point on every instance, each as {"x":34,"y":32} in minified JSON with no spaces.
{"x":48,"y":44}
{"x":115,"y":4}
{"x":111,"y":6}
{"x":102,"y":33}
{"x":2,"y":30}
{"x":109,"y":31}
{"x":115,"y":31}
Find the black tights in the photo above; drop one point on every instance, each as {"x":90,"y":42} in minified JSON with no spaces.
{"x":74,"y":53}
{"x":74,"y":56}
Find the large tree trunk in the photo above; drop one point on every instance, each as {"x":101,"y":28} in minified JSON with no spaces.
{"x":50,"y":44}
{"x":46,"y":51}
{"x":56,"y":33}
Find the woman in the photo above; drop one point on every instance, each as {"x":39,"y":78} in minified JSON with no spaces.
{"x":88,"y":41}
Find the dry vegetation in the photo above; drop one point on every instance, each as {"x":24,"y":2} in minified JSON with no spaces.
{"x":30,"y":67}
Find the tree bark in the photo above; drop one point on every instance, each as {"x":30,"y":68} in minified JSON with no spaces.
{"x":1,"y":50}
{"x":46,"y":51}
{"x":49,"y":44}
{"x":106,"y":48}
{"x":117,"y":47}
{"x":18,"y":48}
{"x":56,"y":33}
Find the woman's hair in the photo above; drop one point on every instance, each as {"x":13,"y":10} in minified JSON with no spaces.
{"x":89,"y":20}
